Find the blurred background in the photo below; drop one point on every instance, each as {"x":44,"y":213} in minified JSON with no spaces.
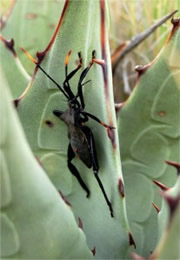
{"x":129,"y":18}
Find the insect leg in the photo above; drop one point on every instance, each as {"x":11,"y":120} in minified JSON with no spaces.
{"x":82,"y":77}
{"x":35,"y":62}
{"x":97,"y":120}
{"x":74,"y":171}
{"x":96,"y":168}
{"x":71,"y":74}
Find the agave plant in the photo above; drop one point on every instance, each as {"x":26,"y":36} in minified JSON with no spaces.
{"x":44,"y":210}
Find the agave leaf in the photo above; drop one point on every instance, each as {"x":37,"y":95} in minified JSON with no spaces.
{"x":168,"y":218}
{"x":81,"y":28}
{"x":35,"y":222}
{"x":169,"y":228}
{"x":30,"y":24}
{"x":149,"y":135}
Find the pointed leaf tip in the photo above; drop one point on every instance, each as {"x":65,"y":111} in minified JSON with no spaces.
{"x":174,"y":164}
{"x":156,"y":207}
{"x":175,"y":21}
{"x":111,"y":135}
{"x":80,"y":224}
{"x":162,"y":186}
{"x":16,"y":102}
{"x":176,"y":25}
{"x":121,"y":187}
{"x":131,"y":240}
{"x":141,"y":69}
{"x":94,"y":251}
{"x":172,"y":202}
{"x":119,"y":106}
{"x":9,"y":45}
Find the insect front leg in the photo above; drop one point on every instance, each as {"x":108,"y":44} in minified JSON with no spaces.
{"x":82,"y":77}
{"x":74,"y":171}
{"x":97,"y":120}
{"x":95,"y":170}
{"x":71,"y":74}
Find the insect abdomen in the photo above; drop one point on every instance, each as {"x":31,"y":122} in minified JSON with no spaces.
{"x":80,"y":145}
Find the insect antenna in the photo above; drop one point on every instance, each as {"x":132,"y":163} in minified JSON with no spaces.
{"x":35,"y":62}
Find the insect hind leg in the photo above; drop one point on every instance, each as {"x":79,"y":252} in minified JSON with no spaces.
{"x":95,"y":170}
{"x":75,"y":172}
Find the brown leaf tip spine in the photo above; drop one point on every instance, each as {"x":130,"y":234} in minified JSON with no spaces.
{"x":156,"y":207}
{"x":16,"y":102}
{"x":175,"y":21}
{"x":9,"y":45}
{"x":176,"y":25}
{"x":111,"y":135}
{"x":119,"y":106}
{"x":121,"y":187}
{"x":162,"y":186}
{"x":172,"y":202}
{"x":174,"y":164}
{"x":131,"y":240}
{"x":40,"y":56}
{"x":64,"y":198}
{"x":141,"y":69}
{"x":93,"y":251}
{"x":80,"y":224}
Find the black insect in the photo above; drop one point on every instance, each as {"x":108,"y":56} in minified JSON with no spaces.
{"x":81,"y":139}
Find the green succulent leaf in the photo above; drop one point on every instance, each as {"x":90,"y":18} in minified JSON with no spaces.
{"x":81,"y":28}
{"x":149,"y":135}
{"x":35,"y":222}
{"x":169,"y":228}
{"x":31,"y":24}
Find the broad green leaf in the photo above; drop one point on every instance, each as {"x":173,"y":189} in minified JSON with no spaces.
{"x":149,"y":134}
{"x":35,"y":221}
{"x":80,"y":31}
{"x":168,"y":246}
{"x":30,"y":24}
